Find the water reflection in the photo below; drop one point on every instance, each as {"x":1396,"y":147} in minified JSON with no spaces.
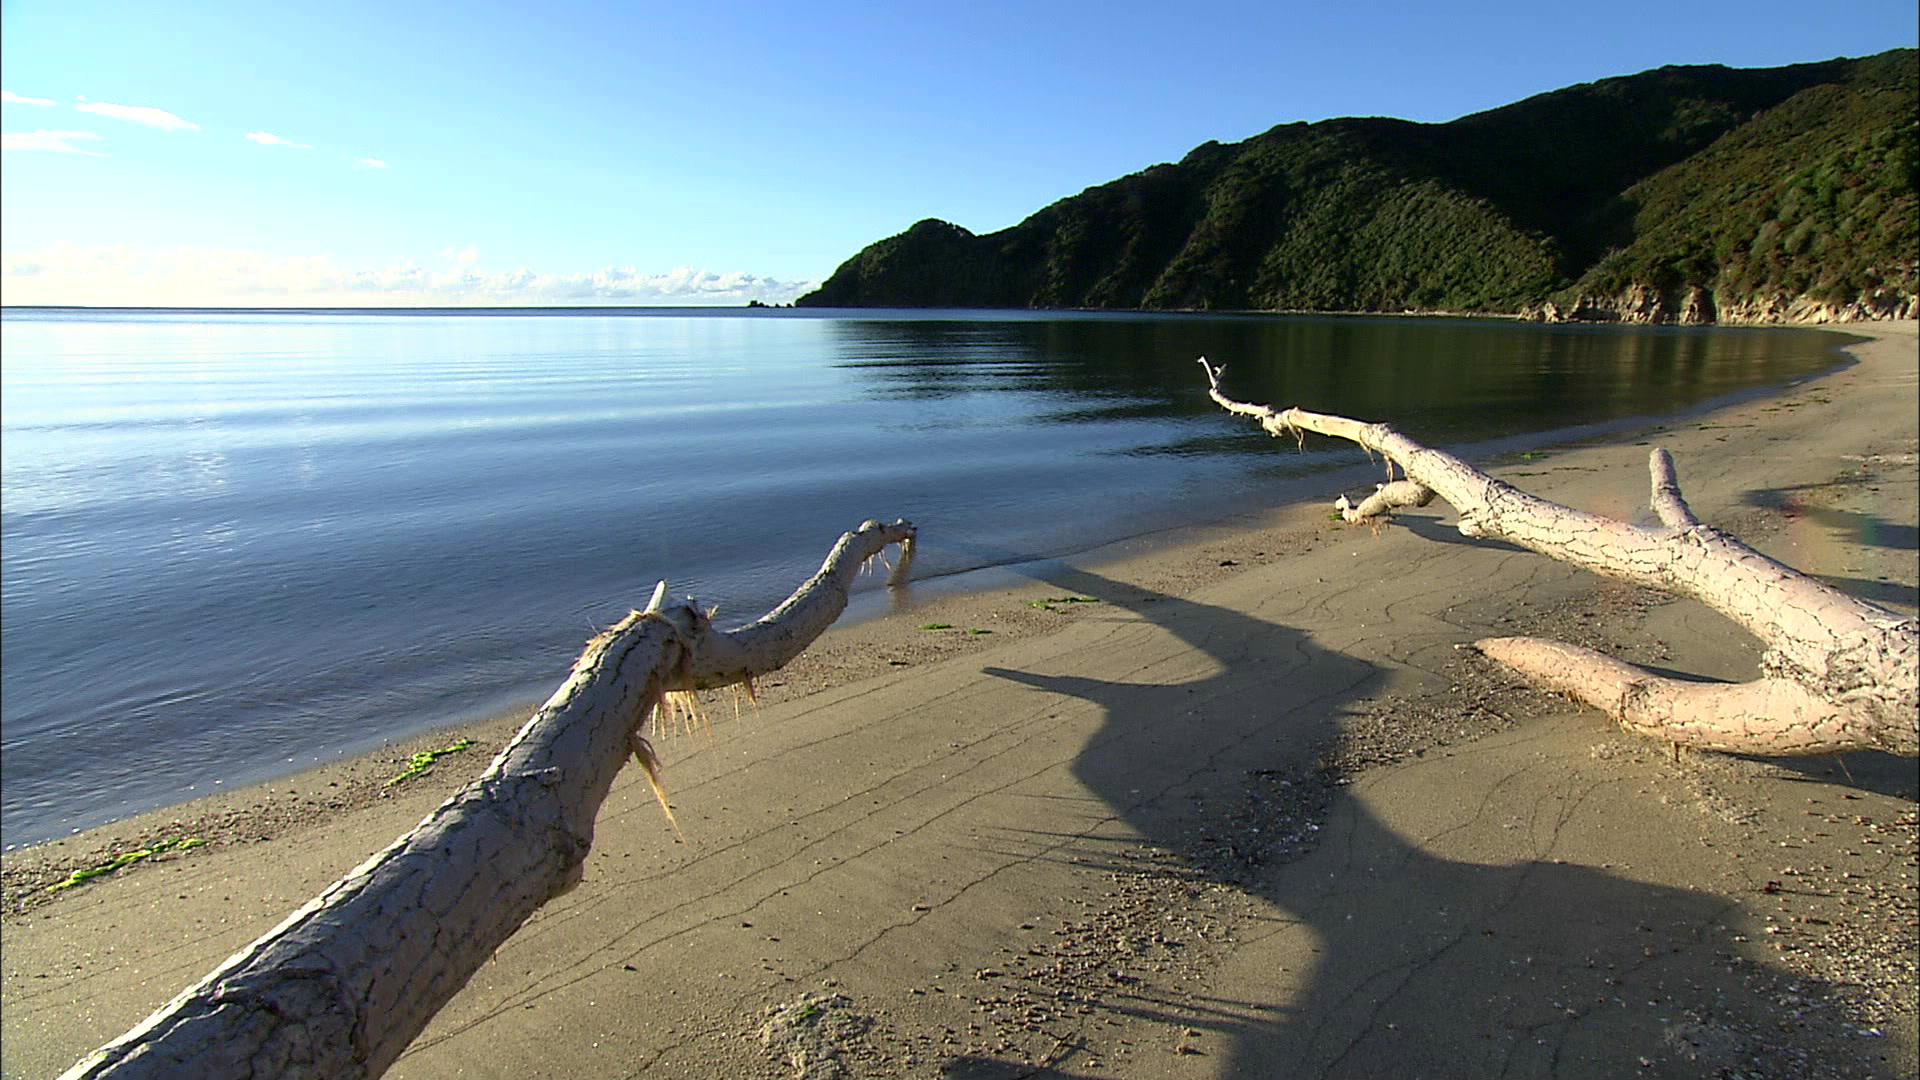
{"x":1442,"y":380}
{"x":195,"y":479}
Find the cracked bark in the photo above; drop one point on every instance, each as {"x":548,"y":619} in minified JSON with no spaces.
{"x":345,"y":984}
{"x":1838,"y":673}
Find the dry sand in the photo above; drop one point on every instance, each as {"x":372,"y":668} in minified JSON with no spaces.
{"x":1251,"y":814}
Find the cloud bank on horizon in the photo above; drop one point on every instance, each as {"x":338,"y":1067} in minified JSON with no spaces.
{"x":125,"y":276}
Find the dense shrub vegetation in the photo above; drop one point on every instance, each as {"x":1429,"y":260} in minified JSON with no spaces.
{"x":1752,"y":188}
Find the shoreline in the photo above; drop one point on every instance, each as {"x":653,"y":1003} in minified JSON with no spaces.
{"x":1190,"y":623}
{"x":230,"y":705}
{"x":353,"y":780}
{"x":489,"y":727}
{"x":1404,"y":313}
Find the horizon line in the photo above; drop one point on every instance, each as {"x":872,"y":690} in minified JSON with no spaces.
{"x":754,"y":304}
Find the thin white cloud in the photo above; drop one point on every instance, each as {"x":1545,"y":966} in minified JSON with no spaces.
{"x":139,"y":114}
{"x":52,"y":142}
{"x":368,"y":163}
{"x":269,"y":139}
{"x":8,"y":97}
{"x":193,"y":277}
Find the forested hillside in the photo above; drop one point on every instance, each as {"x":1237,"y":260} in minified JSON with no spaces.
{"x":1687,"y":194}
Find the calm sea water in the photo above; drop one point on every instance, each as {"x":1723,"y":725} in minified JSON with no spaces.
{"x":239,"y":543}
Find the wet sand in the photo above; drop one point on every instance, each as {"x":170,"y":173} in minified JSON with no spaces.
{"x":1248,"y":813}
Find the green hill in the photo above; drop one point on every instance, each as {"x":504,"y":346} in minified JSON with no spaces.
{"x":1683,"y":194}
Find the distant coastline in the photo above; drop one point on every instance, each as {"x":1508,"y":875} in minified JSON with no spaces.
{"x":873,"y":311}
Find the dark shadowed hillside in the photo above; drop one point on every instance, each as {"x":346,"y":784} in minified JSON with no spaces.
{"x":1687,"y":194}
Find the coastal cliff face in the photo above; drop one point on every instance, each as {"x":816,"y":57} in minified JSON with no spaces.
{"x":1683,"y":195}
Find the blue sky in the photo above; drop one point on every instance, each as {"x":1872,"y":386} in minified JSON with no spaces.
{"x":426,"y":152}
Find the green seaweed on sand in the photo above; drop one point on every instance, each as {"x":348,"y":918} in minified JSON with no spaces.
{"x":1047,"y":604}
{"x":422,"y":761}
{"x":126,"y":858}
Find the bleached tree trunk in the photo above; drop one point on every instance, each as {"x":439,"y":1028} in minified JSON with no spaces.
{"x":780,"y":635}
{"x":1838,"y":673}
{"x":342,"y":987}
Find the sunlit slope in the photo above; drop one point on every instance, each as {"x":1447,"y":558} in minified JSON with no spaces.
{"x":1746,"y":190}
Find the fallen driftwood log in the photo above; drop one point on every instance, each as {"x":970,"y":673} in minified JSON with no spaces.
{"x":345,"y":984}
{"x":1838,"y":673}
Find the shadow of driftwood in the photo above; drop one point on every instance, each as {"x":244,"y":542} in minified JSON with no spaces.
{"x":1443,"y":531}
{"x":1414,"y":964}
{"x":1886,"y":593}
{"x":1869,"y":530}
{"x":1864,"y":770}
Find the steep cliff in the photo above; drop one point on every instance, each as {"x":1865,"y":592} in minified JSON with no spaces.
{"x":1683,"y":194}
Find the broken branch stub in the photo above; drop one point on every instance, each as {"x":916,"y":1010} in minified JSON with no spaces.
{"x":342,"y":987}
{"x":1839,"y":673}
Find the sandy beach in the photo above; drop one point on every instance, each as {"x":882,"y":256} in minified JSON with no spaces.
{"x":1224,"y":804}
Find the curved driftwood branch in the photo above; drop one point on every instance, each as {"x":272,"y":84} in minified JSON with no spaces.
{"x":768,"y":643}
{"x":1838,"y":674}
{"x":345,"y":984}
